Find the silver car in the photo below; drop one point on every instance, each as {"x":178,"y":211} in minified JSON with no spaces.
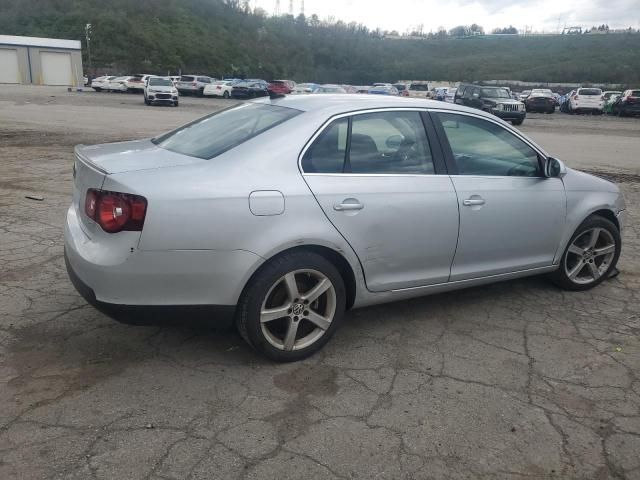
{"x":279,"y":215}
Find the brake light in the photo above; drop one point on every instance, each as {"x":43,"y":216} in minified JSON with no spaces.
{"x":194,"y":84}
{"x":575,"y":97}
{"x":218,"y":87}
{"x":115,"y":211}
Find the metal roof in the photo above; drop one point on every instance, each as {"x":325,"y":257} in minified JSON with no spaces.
{"x":40,"y":42}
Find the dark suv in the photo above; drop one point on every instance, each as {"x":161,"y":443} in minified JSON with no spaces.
{"x":495,"y":100}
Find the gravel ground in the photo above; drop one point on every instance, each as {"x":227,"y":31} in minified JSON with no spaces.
{"x":511,"y":380}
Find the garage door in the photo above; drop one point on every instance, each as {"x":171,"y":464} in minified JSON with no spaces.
{"x":56,"y":68}
{"x":9,"y":72}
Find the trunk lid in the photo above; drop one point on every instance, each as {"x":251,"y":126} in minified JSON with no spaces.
{"x":131,"y":156}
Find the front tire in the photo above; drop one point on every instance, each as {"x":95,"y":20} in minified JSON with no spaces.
{"x":590,"y":256}
{"x":292,"y":306}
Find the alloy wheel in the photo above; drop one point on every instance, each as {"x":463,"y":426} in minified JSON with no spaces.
{"x":298,"y":309}
{"x":589,"y":256}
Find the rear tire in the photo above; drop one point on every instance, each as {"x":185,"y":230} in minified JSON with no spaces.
{"x":225,"y":95}
{"x":584,"y":263}
{"x":280,"y":315}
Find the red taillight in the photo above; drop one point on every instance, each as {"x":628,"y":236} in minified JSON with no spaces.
{"x":115,"y":211}
{"x":218,"y":87}
{"x":575,"y":97}
{"x":194,"y":84}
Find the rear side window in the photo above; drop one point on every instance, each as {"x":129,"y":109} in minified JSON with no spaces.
{"x":375,"y":143}
{"x":482,"y":148}
{"x":214,"y":134}
{"x":327,"y":154}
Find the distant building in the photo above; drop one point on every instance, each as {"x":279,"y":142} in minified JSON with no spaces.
{"x":40,"y":61}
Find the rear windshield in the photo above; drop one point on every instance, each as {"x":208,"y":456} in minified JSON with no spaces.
{"x":187,"y":78}
{"x":400,"y":86}
{"x":419,"y":87}
{"x":589,"y":91}
{"x":214,"y":134}
{"x":160,"y":82}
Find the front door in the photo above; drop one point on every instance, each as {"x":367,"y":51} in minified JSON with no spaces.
{"x":511,"y":216}
{"x":375,"y":178}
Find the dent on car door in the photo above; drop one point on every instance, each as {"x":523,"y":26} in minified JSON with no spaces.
{"x":511,"y":216}
{"x":375,"y":177}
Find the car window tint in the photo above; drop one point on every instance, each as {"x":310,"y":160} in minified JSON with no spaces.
{"x":468,"y":93}
{"x":481,"y":147}
{"x":215,"y":134}
{"x":389,"y":143}
{"x":327,"y":153}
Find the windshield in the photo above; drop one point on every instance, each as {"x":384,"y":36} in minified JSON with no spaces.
{"x":214,"y":134}
{"x":495,"y":93}
{"x":589,"y":91}
{"x":160,"y":82}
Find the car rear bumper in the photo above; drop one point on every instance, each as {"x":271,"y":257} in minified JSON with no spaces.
{"x":137,"y":278}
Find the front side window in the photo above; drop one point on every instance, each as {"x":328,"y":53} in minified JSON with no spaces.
{"x":372,"y":143}
{"x":214,"y":134}
{"x":483,"y":148}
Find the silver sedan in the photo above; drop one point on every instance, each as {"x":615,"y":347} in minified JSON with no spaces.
{"x":279,"y":215}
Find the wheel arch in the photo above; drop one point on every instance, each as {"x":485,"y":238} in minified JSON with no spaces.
{"x":608,"y":214}
{"x":336,"y":258}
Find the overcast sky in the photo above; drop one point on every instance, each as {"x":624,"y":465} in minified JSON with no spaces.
{"x":402,"y":15}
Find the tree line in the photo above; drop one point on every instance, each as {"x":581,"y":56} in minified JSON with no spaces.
{"x":226,"y":38}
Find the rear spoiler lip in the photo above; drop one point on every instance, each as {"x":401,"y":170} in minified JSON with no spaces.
{"x":84,"y":159}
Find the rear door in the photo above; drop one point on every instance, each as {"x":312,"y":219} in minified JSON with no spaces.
{"x":511,"y":216}
{"x":380,"y":182}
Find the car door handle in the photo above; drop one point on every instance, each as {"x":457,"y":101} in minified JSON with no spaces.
{"x":344,"y":207}
{"x":470,"y":202}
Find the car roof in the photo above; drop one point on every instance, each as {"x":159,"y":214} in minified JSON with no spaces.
{"x":342,"y":103}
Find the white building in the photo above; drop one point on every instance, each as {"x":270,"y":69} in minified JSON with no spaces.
{"x":40,"y":61}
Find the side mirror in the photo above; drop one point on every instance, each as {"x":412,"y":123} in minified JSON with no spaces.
{"x":554,"y":168}
{"x":476,"y":96}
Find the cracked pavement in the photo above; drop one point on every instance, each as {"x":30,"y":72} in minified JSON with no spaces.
{"x":512,"y":380}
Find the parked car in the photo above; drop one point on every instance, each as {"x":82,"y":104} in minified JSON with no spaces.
{"x":117,"y":84}
{"x":285,"y":250}
{"x":609,"y":93}
{"x":220,"y":88}
{"x":362,"y":88}
{"x":494,"y":100}
{"x":419,"y":90}
{"x":279,"y":87}
{"x":450,"y":96}
{"x":136,"y":83}
{"x":101,"y":83}
{"x":440,"y":93}
{"x":349,"y":88}
{"x":541,"y":101}
{"x":160,"y":90}
{"x":608,"y":106}
{"x":290,"y":83}
{"x":586,"y":100}
{"x":302,"y":88}
{"x":250,"y":89}
{"x":524,"y":95}
{"x":628,"y":103}
{"x":330,"y":89}
{"x":402,"y":89}
{"x":193,"y":84}
{"x":383,"y":90}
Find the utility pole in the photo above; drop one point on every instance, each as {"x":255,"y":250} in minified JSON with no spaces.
{"x":87,"y":34}
{"x":290,"y":7}
{"x":302,"y":7}
{"x":277,"y":10}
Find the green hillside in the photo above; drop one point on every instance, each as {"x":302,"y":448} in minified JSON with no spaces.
{"x":218,"y":37}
